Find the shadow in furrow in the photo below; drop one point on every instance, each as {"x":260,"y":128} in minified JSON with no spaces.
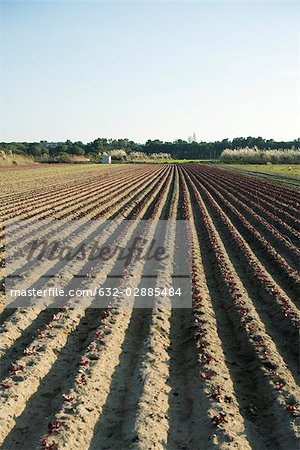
{"x":188,"y":422}
{"x":31,"y":425}
{"x":255,"y":401}
{"x":115,"y":428}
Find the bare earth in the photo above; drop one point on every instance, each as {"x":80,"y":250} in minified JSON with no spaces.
{"x":221,"y":375}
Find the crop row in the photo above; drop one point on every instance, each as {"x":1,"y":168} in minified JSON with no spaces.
{"x":289,"y":274}
{"x":288,"y":214}
{"x":53,"y":339}
{"x":271,"y":369}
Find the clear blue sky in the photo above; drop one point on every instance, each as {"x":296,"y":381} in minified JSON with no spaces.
{"x":85,"y":69}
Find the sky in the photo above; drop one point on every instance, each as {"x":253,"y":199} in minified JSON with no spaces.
{"x":142,"y":70}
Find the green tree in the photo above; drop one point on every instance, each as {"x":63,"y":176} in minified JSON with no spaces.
{"x":36,"y":149}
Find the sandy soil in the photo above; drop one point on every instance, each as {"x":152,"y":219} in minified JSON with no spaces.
{"x":222,"y":374}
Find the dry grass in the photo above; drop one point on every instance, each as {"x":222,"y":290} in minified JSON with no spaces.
{"x":255,"y":156}
{"x":15,"y":160}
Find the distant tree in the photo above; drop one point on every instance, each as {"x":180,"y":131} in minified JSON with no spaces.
{"x":76,"y":149}
{"x":36,"y":149}
{"x":179,"y":149}
{"x":98,"y":145}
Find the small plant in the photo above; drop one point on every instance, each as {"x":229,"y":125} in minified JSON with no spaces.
{"x":219,"y":419}
{"x":30,"y":351}
{"x":45,"y":444}
{"x":67,"y":397}
{"x":53,"y":428}
{"x":15,"y":369}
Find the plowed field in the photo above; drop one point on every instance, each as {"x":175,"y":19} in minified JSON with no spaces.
{"x":223,"y":374}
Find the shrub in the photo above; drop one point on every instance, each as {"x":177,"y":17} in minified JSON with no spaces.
{"x":64,"y":158}
{"x":255,"y":156}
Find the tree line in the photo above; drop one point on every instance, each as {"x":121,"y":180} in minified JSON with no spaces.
{"x":178,"y":149}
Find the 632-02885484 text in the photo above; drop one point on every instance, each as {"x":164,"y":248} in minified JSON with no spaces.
{"x":102,"y":292}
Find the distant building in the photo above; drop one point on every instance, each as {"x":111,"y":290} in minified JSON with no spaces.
{"x":52,"y":144}
{"x":106,"y":159}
